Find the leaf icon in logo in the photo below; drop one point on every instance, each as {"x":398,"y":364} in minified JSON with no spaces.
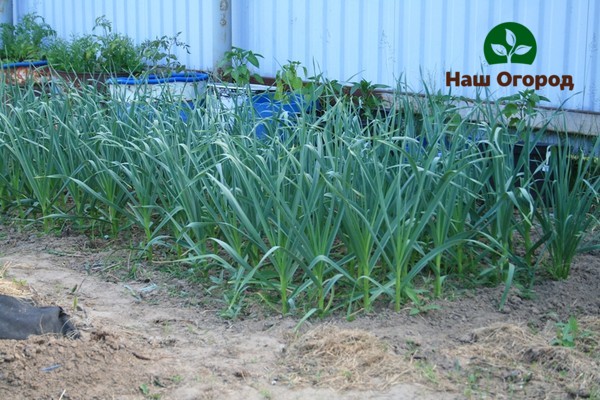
{"x":522,"y":49}
{"x":508,"y":41}
{"x":512,"y":48}
{"x":499,"y":49}
{"x":511,"y":39}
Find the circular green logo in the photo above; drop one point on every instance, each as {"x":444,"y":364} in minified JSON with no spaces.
{"x":510,"y":43}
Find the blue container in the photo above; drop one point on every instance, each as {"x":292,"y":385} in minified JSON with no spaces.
{"x":185,"y":86}
{"x":268,"y":111}
{"x":142,"y":110}
{"x":20,"y":73}
{"x":25,"y":64}
{"x":185,"y":109}
{"x":185,"y":77}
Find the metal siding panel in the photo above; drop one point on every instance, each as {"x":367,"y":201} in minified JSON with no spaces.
{"x":333,"y":43}
{"x":592,"y":75}
{"x":380,"y":41}
{"x":345,"y":37}
{"x":314,"y":47}
{"x":297,"y":37}
{"x":280,"y":36}
{"x":240,"y":19}
{"x":310,"y":32}
{"x":349,"y":38}
{"x":385,"y":43}
{"x":195,"y":34}
{"x":261,"y":34}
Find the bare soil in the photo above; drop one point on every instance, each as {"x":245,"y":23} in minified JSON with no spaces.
{"x":158,"y":337}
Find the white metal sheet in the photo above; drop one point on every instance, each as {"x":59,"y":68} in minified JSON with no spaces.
{"x":378,"y":40}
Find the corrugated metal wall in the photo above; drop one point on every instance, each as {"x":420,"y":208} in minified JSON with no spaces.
{"x":379,"y":40}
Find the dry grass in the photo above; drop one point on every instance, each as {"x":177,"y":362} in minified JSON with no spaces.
{"x":344,"y":359}
{"x":512,"y":361}
{"x":10,"y":287}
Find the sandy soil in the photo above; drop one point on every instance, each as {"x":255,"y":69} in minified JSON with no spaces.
{"x":158,"y":338}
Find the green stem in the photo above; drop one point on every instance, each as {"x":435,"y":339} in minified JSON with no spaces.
{"x":398,"y":294}
{"x":437,"y":292}
{"x":366,"y":286}
{"x":527,"y":240}
{"x":459,"y":259}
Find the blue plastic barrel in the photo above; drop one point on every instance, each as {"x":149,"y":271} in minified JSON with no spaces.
{"x":20,"y":73}
{"x":188,"y":85}
{"x":267,"y":110}
{"x":25,"y":64}
{"x":185,"y":77}
{"x":124,"y":88}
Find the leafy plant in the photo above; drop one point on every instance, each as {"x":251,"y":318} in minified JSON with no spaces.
{"x":26,"y":40}
{"x":571,"y":196}
{"x":145,"y":389}
{"x":159,"y":56}
{"x":288,"y":80}
{"x":78,"y":54}
{"x":367,"y":100}
{"x":105,"y":51}
{"x":116,"y":52}
{"x":422,"y":309}
{"x":568,"y":333}
{"x":325,"y":91}
{"x":511,"y":40}
{"x":327,"y":215}
{"x":235,"y":66}
{"x":520,"y":108}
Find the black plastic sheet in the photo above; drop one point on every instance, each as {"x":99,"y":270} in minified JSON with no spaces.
{"x":19,"y":319}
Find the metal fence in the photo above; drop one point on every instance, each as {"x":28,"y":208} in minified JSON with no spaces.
{"x":416,"y":41}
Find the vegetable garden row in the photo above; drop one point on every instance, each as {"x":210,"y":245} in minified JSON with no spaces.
{"x":331,"y":210}
{"x":313,"y":197}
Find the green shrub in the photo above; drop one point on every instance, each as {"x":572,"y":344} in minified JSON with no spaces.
{"x":25,"y":41}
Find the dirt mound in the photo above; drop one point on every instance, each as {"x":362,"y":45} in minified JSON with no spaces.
{"x":105,"y":365}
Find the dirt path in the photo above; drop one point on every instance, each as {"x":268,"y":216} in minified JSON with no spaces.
{"x":145,"y":339}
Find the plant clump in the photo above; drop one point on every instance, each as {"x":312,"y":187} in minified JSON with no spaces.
{"x":326,"y":211}
{"x":25,"y":41}
{"x":11,"y":287}
{"x":105,"y":51}
{"x":235,"y":66}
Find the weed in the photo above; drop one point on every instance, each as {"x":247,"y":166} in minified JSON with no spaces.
{"x":568,"y":333}
{"x":428,"y":371}
{"x":266,"y":394}
{"x":145,"y":389}
{"x":422,"y":309}
{"x":288,"y":80}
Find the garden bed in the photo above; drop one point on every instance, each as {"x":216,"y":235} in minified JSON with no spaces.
{"x":170,"y":343}
{"x":229,"y":218}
